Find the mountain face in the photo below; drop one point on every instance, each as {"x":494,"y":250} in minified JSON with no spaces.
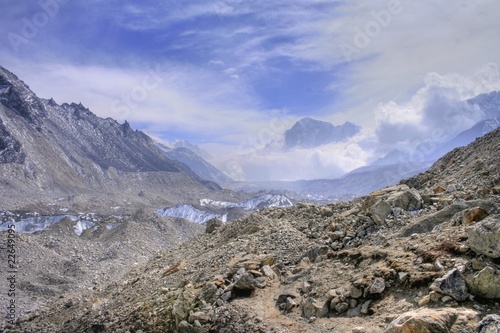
{"x":309,"y":133}
{"x":61,"y":150}
{"x":475,"y":166}
{"x":488,"y":103}
{"x":194,"y":148}
{"x":198,"y":165}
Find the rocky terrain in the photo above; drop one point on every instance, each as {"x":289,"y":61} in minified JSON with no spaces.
{"x":422,"y":256}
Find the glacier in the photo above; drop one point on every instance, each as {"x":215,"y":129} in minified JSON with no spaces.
{"x":190,"y":213}
{"x":263,"y":201}
{"x":39,"y":223}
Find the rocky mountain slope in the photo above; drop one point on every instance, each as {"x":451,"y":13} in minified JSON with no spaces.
{"x":50,"y":151}
{"x":198,"y":165}
{"x":418,"y":257}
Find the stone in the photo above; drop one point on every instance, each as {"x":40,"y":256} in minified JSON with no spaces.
{"x":408,"y":200}
{"x":202,"y":317}
{"x":184,"y":303}
{"x":261,"y":282}
{"x":484,"y":237}
{"x":428,"y":222}
{"x":451,"y":188}
{"x":489,"y":324}
{"x":341,"y":307}
{"x":284,"y":295}
{"x":315,"y":252}
{"x":209,"y":292}
{"x":378,"y":286}
{"x":380,"y":211}
{"x":314,"y":308}
{"x":452,"y":284}
{"x":433,"y":321}
{"x":356,"y":292}
{"x":185,"y":327}
{"x":306,"y":287}
{"x":485,"y":283}
{"x":268,"y":272}
{"x":359,"y":329}
{"x":475,"y":214}
{"x":365,"y":307}
{"x":213,"y":225}
{"x":245,"y":282}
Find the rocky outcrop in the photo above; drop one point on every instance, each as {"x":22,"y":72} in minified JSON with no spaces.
{"x":485,"y":283}
{"x":484,"y":237}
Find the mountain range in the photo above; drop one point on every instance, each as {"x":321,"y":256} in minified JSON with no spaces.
{"x":308,"y":132}
{"x":50,"y":151}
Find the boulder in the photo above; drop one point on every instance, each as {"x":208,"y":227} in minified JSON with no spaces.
{"x":245,"y":282}
{"x":380,"y":211}
{"x":434,"y":321}
{"x":314,"y":308}
{"x":489,"y":324}
{"x":452,"y":284}
{"x":485,"y":283}
{"x":484,"y":237}
{"x":407,"y":200}
{"x":475,"y":214}
{"x":213,"y":225}
{"x":428,"y":222}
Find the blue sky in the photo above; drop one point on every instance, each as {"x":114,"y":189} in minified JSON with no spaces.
{"x":232,"y":75}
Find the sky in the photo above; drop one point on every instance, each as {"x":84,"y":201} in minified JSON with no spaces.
{"x":233,"y":75}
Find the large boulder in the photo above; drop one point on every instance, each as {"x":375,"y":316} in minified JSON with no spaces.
{"x":380,"y":211}
{"x":428,"y":222}
{"x":484,"y":237}
{"x":434,"y":321}
{"x":408,"y":200}
{"x":485,"y":283}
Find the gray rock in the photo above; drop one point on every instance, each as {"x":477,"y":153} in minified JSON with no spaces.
{"x":428,"y":222}
{"x":202,"y":317}
{"x":378,"y":286}
{"x":209,"y":292}
{"x":284,"y":295}
{"x":269,"y":272}
{"x":213,"y":225}
{"x":356,"y":292}
{"x":341,"y":307}
{"x":489,"y":324}
{"x":185,"y":327}
{"x":407,"y":200}
{"x":484,"y":237}
{"x":314,"y":308}
{"x":379,"y":211}
{"x":245,"y":282}
{"x":452,"y":284}
{"x":485,"y":283}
